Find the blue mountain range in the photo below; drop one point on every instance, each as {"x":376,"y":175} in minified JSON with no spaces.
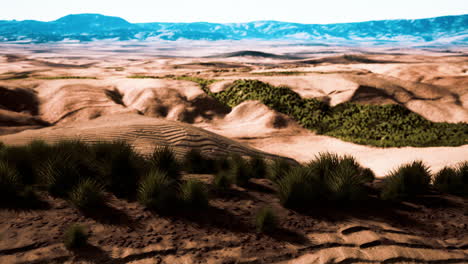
{"x":452,"y":30}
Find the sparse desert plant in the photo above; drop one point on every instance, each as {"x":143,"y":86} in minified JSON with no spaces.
{"x":121,"y":168}
{"x":345,"y":184}
{"x":222,"y":181}
{"x":195,"y":162}
{"x":278,"y":169}
{"x":406,"y":181}
{"x":22,"y":160}
{"x":10,"y":185}
{"x":299,"y":188}
{"x":164,"y":159}
{"x":157,"y":191}
{"x":75,"y":237}
{"x":194,"y":194}
{"x":88,"y":195}
{"x":450,"y":180}
{"x":239,"y":170}
{"x":258,"y":167}
{"x":266,"y":220}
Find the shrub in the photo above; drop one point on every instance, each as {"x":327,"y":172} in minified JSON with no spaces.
{"x":346,"y":184}
{"x":278,"y":169}
{"x":163,"y":159}
{"x":10,"y":186}
{"x":157,"y":191}
{"x":88,"y":195}
{"x":450,"y":180}
{"x":239,"y":171}
{"x":194,"y":194}
{"x":299,"y":188}
{"x":21,"y":159}
{"x":406,"y":181}
{"x":195,"y":162}
{"x":222,"y":164}
{"x":258,"y":167}
{"x":121,"y":168}
{"x":222,"y":181}
{"x":266,"y":220}
{"x":75,"y":237}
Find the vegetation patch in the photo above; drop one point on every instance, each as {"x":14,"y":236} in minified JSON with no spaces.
{"x":75,"y":237}
{"x":453,"y":180}
{"x":157,"y":191}
{"x":266,"y":220}
{"x":406,"y":181}
{"x":194,"y":194}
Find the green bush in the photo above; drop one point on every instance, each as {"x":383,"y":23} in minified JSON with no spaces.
{"x":239,"y":170}
{"x":157,"y":191}
{"x":406,"y":181}
{"x":121,"y":168}
{"x":222,"y":181}
{"x":278,"y":169}
{"x":88,"y":195}
{"x":258,"y":167}
{"x":299,"y":188}
{"x":378,"y":125}
{"x":164,"y":160}
{"x":195,"y":162}
{"x":22,"y":160}
{"x":75,"y":237}
{"x":194,"y":194}
{"x":266,"y":220}
{"x":453,"y":180}
{"x":10,"y":186}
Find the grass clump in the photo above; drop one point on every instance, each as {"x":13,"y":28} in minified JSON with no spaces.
{"x":75,"y":237}
{"x":406,"y":181}
{"x":258,"y":167}
{"x":378,"y":125}
{"x":239,"y":170}
{"x":194,"y":194}
{"x":157,"y":191}
{"x":328,"y":179}
{"x":164,"y":160}
{"x":222,"y":181}
{"x":453,"y":180}
{"x":121,"y":168}
{"x":195,"y":162}
{"x":88,"y":195}
{"x":10,"y":185}
{"x":266,"y":220}
{"x":278,"y":169}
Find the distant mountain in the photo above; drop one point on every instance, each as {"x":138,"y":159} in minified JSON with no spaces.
{"x":87,"y":27}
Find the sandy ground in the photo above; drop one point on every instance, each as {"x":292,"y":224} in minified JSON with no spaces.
{"x":35,"y":103}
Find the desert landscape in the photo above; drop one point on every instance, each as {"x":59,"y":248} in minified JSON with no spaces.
{"x":271,"y":116}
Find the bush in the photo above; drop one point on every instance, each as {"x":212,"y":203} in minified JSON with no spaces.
{"x":451,"y":180}
{"x":157,"y":191}
{"x":222,"y":181}
{"x":10,"y":185}
{"x":239,"y":171}
{"x":194,"y":194}
{"x":299,"y":188}
{"x":75,"y":237}
{"x":258,"y":167}
{"x":406,"y":181}
{"x":121,"y":168}
{"x":195,"y":162}
{"x":22,"y":160}
{"x":266,"y":220}
{"x":88,"y":195}
{"x":164,"y":160}
{"x":278,"y":169}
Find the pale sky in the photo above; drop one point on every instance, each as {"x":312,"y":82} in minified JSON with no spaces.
{"x":302,"y":11}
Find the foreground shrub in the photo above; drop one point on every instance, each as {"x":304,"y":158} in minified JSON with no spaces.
{"x":164,"y":160}
{"x":278,"y":169}
{"x":10,"y":185}
{"x":299,"y":188}
{"x":222,"y":181}
{"x":195,"y":162}
{"x":22,"y":160}
{"x":88,"y":195}
{"x":194,"y":194}
{"x":258,"y":167}
{"x":452,"y":180}
{"x":121,"y":168}
{"x":157,"y":191}
{"x":266,"y":220}
{"x":239,"y":171}
{"x":75,"y":237}
{"x":406,"y":181}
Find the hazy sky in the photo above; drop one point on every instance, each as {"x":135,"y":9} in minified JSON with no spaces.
{"x":303,"y":11}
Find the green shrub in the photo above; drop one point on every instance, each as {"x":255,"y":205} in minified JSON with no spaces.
{"x":451,"y":180}
{"x":121,"y":168}
{"x":346,"y":184}
{"x":278,"y":169}
{"x":88,"y":195}
{"x":239,"y":171}
{"x":195,"y":162}
{"x":390,"y":125}
{"x":157,"y":191}
{"x":299,"y":188}
{"x":163,"y":159}
{"x":75,"y":237}
{"x":194,"y":194}
{"x":10,"y":185}
{"x":22,"y":160}
{"x":222,"y":164}
{"x":266,"y":220}
{"x":406,"y":181}
{"x":222,"y":181}
{"x":258,"y":167}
